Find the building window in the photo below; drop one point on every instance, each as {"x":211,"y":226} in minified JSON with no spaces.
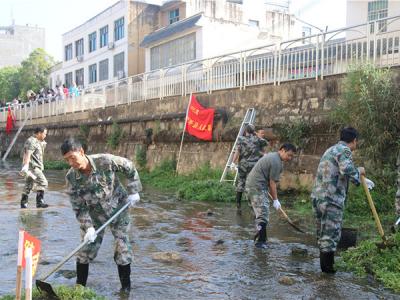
{"x":119,"y":29}
{"x":79,"y":48}
{"x":377,"y":10}
{"x":103,"y":70}
{"x":92,"y":41}
{"x":79,"y":79}
{"x":173,"y":16}
{"x":103,"y":36}
{"x":68,"y":52}
{"x":93,"y":73}
{"x":68,"y":79}
{"x":119,"y":65}
{"x":254,"y":23}
{"x":174,"y":52}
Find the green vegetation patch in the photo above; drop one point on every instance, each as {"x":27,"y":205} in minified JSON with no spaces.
{"x":64,"y":292}
{"x":202,"y":184}
{"x":368,"y":258}
{"x":56,"y":165}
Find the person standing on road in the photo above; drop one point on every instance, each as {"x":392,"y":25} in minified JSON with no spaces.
{"x":248,"y":151}
{"x":261,"y":182}
{"x":329,"y":193}
{"x":32,"y":168}
{"x":96,"y":193}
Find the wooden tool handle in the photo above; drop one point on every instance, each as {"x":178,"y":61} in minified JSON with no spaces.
{"x":372,"y":205}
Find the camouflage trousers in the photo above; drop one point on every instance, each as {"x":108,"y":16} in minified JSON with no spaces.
{"x":260,"y":203}
{"x":39,"y":184}
{"x":329,"y":218}
{"x":244,"y":169}
{"x":119,"y":229}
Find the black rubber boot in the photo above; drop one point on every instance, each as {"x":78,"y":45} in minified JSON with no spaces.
{"x":82,"y":273}
{"x":239,"y":199}
{"x":39,"y":200}
{"x":327,"y":259}
{"x":124,"y":273}
{"x":24,"y":201}
{"x":261,"y":236}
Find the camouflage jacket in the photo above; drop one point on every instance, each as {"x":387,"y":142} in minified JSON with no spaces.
{"x":101,"y":192}
{"x":335,"y":169}
{"x":37,"y":148}
{"x":250,"y":148}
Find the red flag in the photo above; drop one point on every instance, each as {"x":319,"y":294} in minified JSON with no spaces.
{"x":34,"y":244}
{"x":10,"y":121}
{"x":199,"y":120}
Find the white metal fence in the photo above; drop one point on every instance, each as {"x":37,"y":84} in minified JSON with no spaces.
{"x":326,"y":53}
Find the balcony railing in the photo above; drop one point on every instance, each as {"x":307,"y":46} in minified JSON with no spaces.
{"x":316,"y":56}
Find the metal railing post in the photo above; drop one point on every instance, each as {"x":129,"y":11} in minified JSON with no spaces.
{"x":279,"y":63}
{"x":322,"y":56}
{"x":317,"y":58}
{"x":244,"y":70}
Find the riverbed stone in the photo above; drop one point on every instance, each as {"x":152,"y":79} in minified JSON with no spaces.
{"x":167,"y":257}
{"x":286,"y":280}
{"x":299,"y":251}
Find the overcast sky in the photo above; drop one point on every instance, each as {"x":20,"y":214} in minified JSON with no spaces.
{"x":60,"y":16}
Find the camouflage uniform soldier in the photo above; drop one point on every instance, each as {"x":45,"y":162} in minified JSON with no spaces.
{"x":33,"y":168}
{"x":262,"y":179}
{"x":397,"y":202}
{"x":95,"y":194}
{"x":249,"y":150}
{"x":335,"y":169}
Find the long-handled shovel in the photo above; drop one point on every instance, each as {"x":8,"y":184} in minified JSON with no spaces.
{"x":45,"y":287}
{"x":288,"y":219}
{"x":374,"y":213}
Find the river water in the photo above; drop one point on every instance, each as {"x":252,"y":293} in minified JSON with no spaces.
{"x":213,"y":244}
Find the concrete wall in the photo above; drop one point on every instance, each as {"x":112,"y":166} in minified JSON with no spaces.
{"x":309,"y":100}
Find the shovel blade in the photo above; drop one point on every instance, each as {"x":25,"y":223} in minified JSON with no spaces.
{"x":295,"y":226}
{"x":46,"y":288}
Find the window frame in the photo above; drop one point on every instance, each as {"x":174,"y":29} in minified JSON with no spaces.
{"x":119,"y":29}
{"x":92,"y":41}
{"x":103,"y":36}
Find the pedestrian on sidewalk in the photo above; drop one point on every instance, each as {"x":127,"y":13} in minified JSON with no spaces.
{"x":96,"y":193}
{"x":33,"y":168}
{"x":329,"y":193}
{"x":261,"y":182}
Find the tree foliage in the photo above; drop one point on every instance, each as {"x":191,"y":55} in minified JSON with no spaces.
{"x":34,"y":71}
{"x":9,"y":83}
{"x":371,"y":104}
{"x":31,"y":75}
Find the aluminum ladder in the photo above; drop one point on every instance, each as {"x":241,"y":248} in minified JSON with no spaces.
{"x":16,"y":136}
{"x":249,"y":118}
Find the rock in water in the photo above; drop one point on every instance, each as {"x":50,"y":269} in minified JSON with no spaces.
{"x":286,"y":280}
{"x":167,"y":257}
{"x":299,"y":251}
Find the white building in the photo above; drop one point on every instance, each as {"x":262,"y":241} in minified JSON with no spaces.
{"x":132,"y":37}
{"x":363,"y":11}
{"x":197,"y":29}
{"x":17,"y":42}
{"x":106,"y":47}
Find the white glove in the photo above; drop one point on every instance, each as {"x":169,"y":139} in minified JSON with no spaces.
{"x":276,"y":204}
{"x":133,"y":199}
{"x":25,"y":169}
{"x":233,"y":166}
{"x":370,"y":183}
{"x":90,"y":235}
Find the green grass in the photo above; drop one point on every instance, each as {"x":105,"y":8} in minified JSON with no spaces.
{"x":367,"y":258}
{"x":65,"y":293}
{"x":202,"y":184}
{"x":55,"y":165}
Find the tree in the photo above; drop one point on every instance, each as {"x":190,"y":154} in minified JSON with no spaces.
{"x":34,"y":71}
{"x":371,"y":104}
{"x":9,"y":83}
